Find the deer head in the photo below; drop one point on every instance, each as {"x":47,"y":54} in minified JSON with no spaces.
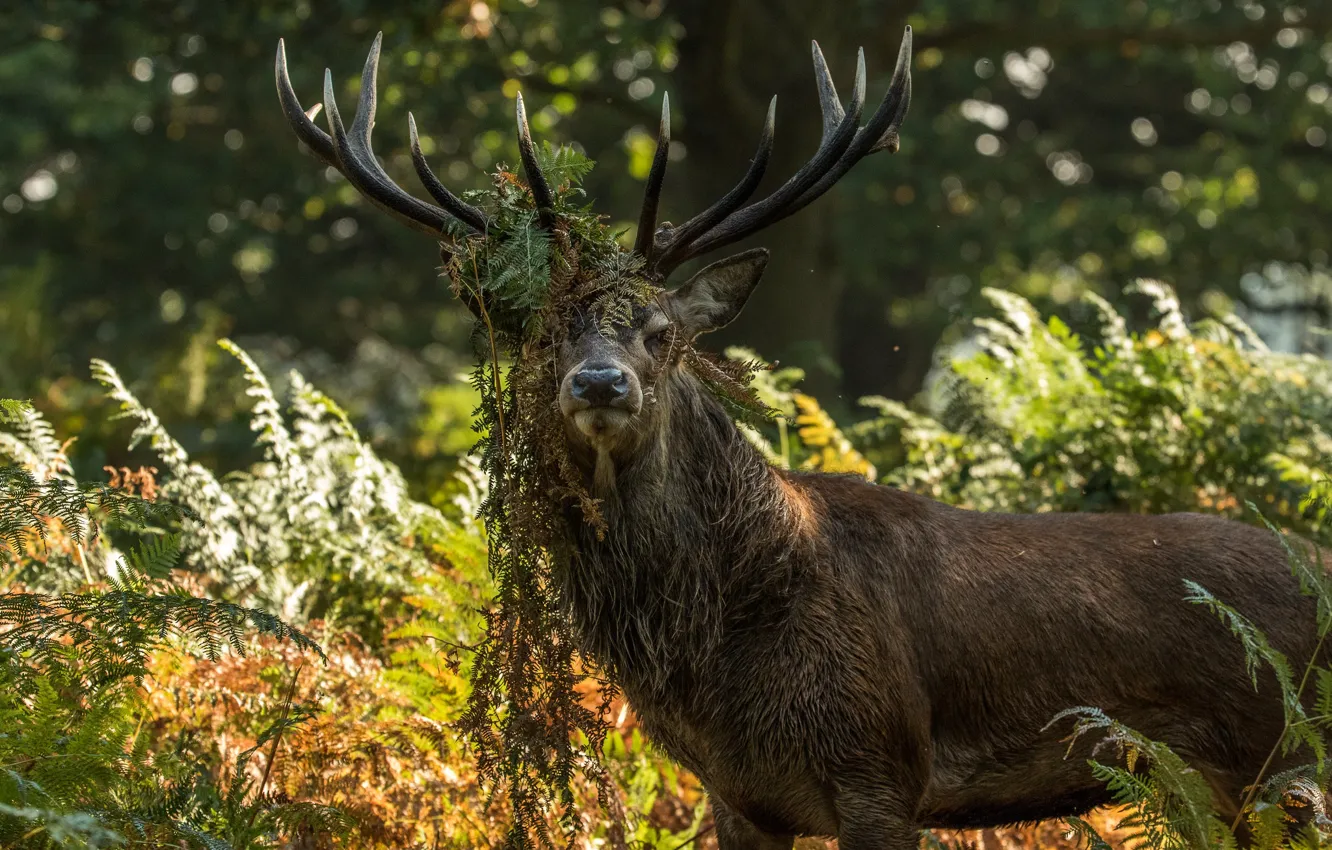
{"x":614,"y":360}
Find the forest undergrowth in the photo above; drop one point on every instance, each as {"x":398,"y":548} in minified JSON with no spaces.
{"x":280,"y":656}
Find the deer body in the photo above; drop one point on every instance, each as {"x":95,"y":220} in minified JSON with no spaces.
{"x":823,"y":652}
{"x":829,"y":656}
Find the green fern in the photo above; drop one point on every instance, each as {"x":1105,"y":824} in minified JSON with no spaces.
{"x":14,"y":411}
{"x":110,"y":634}
{"x":519,"y":270}
{"x":154,"y":557}
{"x":1172,"y":802}
{"x":323,"y":509}
{"x":26,"y":504}
{"x":1257,"y":649}
{"x":563,"y":165}
{"x":1086,"y":835}
{"x":31,"y":440}
{"x":76,"y":772}
{"x":63,"y":829}
{"x":266,"y":415}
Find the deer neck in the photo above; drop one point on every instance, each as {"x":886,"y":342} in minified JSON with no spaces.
{"x":692,"y":519}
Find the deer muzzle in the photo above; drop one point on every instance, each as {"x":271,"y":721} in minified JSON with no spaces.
{"x":600,"y":398}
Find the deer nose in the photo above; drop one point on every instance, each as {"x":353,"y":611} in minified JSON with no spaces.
{"x":601,"y":386}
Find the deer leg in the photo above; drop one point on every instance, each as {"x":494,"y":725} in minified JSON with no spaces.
{"x":735,"y":832}
{"x":871,"y":819}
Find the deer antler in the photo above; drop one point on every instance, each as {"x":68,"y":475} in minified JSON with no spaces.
{"x":647,"y":219}
{"x":844,"y":143}
{"x":351,"y":154}
{"x":536,"y":181}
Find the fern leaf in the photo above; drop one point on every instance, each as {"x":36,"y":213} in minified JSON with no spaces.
{"x":266,"y":416}
{"x":13,"y":411}
{"x":563,"y":165}
{"x":1257,"y":649}
{"x":32,"y":443}
{"x":1085,"y":834}
{"x":156,"y":557}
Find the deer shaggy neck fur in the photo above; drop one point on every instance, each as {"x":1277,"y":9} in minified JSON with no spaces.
{"x":838,"y":658}
{"x":690,"y":517}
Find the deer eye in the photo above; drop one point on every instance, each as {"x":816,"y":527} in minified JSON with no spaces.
{"x":654,"y":341}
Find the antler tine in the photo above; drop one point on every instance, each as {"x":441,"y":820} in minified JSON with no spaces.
{"x":900,"y":91}
{"x":759,"y":215}
{"x":647,"y":219}
{"x":358,"y":159}
{"x":456,"y":206}
{"x":536,"y":181}
{"x":843,"y":144}
{"x":879,"y":133}
{"x":300,"y":120}
{"x":352,"y":154}
{"x":673,"y":242}
{"x":828,"y":100}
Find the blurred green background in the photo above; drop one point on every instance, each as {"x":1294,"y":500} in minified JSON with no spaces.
{"x":152,"y":198}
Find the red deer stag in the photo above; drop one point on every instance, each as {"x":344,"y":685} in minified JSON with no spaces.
{"x":833,"y":657}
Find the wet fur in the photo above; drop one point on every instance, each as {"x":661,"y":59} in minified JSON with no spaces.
{"x":838,"y":658}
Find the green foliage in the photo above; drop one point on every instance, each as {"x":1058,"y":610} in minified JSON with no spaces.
{"x":524,"y":715}
{"x":12,"y":411}
{"x":244,"y":814}
{"x":1176,"y":418}
{"x":641,"y":774}
{"x":76,"y":770}
{"x":1086,"y":835}
{"x":64,"y":829}
{"x":82,"y":106}
{"x":29,"y":502}
{"x":1256,"y":648}
{"x":562,"y":165}
{"x":519,"y":269}
{"x":822,"y":444}
{"x":165,"y":222}
{"x":321,"y":511}
{"x":81,"y":769}
{"x":108,"y":635}
{"x":30,"y":440}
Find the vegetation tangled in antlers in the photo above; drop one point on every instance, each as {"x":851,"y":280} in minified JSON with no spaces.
{"x":524,"y":713}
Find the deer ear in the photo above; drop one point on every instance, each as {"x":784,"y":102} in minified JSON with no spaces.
{"x":714,"y":296}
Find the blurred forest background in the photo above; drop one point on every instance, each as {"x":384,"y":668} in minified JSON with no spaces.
{"x":960,"y":319}
{"x":152,"y":197}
